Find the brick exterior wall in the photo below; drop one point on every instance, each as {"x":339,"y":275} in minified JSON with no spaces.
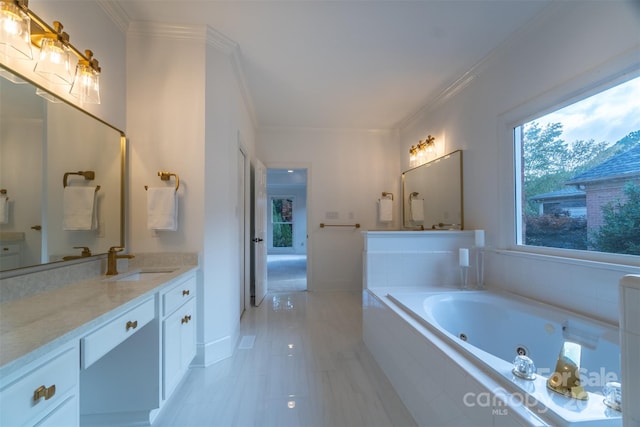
{"x":598,"y":195}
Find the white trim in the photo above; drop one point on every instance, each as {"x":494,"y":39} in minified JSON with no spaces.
{"x":211,"y":37}
{"x":116,"y":13}
{"x":620,"y":69}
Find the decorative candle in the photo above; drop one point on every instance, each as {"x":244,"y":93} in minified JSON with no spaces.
{"x":479,"y":238}
{"x":464,"y":257}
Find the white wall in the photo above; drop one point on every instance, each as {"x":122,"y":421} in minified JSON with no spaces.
{"x":571,"y":46}
{"x":347,"y":172}
{"x":185,"y":116}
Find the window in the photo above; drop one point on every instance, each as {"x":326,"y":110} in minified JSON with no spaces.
{"x":282,"y":221}
{"x":578,"y":174}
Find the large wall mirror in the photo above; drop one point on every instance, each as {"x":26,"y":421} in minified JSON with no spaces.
{"x":432,"y":194}
{"x":43,"y":145}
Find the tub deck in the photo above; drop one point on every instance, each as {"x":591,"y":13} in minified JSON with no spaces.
{"x":545,"y":406}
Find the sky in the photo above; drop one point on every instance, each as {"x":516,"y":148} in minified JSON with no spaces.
{"x":607,"y":116}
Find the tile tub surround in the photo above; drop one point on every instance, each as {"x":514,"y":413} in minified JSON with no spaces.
{"x":437,"y":384}
{"x":415,"y":258}
{"x":630,"y":340}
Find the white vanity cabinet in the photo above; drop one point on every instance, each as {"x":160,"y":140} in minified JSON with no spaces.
{"x":43,"y":393}
{"x":178,"y":332}
{"x":112,"y":355}
{"x":10,"y":255}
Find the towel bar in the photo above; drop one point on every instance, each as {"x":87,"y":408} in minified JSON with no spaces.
{"x":323,"y":225}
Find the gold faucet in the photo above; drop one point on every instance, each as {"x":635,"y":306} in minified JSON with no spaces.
{"x":112,"y":259}
{"x":85,"y":253}
{"x":566,"y":378}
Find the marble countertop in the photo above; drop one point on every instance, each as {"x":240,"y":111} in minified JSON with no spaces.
{"x":34,"y":325}
{"x":11,"y":236}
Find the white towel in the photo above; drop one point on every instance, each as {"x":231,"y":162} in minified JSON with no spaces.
{"x":162,"y":209}
{"x":417,"y":210}
{"x":79,"y":208}
{"x":385,"y":210}
{"x":4,"y":210}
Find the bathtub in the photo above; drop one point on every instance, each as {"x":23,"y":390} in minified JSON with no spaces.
{"x":490,"y":329}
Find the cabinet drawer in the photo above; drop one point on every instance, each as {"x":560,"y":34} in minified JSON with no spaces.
{"x":9,"y":248}
{"x":178,"y":295}
{"x":66,"y":415}
{"x":40,"y":390}
{"x":100,"y":342}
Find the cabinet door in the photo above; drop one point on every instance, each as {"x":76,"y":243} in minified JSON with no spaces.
{"x":179,"y":345}
{"x":66,"y":415}
{"x":188,"y":337}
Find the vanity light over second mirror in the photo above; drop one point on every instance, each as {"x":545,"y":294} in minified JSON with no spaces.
{"x":432,"y":195}
{"x":42,"y":142}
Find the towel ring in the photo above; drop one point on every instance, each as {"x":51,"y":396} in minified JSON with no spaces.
{"x":88,"y":175}
{"x":387,"y":195}
{"x":165,"y":176}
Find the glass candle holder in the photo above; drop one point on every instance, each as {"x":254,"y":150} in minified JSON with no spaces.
{"x":613,"y":395}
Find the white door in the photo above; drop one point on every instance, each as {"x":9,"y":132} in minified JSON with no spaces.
{"x":260,"y":233}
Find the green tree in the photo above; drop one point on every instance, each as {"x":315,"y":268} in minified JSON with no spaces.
{"x":544,"y":152}
{"x":620,"y":232}
{"x":544,"y":155}
{"x":549,"y":161}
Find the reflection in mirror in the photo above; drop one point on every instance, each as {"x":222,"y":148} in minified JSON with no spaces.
{"x":432,"y":194}
{"x":40,"y":141}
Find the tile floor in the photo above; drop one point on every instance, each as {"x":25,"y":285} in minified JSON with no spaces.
{"x":307,"y":366}
{"x":286,"y":272}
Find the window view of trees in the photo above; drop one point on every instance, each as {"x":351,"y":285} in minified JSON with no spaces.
{"x":584,"y":192}
{"x":282,"y":220}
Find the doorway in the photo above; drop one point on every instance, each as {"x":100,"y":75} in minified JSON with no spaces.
{"x":286,"y":230}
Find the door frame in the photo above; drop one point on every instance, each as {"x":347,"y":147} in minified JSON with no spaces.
{"x":244,"y":235}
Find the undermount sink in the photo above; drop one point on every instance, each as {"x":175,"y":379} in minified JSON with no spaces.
{"x":141,"y":275}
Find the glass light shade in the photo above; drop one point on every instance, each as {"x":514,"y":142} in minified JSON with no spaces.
{"x":54,"y":62}
{"x":86,"y":85}
{"x":15,"y":31}
{"x":431,"y":147}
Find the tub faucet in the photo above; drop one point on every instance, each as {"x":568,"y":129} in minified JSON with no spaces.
{"x":112,"y":259}
{"x":566,"y":378}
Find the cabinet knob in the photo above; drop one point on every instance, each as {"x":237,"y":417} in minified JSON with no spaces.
{"x":186,"y":319}
{"x":185,"y":292}
{"x":132,"y":325}
{"x":46,"y":392}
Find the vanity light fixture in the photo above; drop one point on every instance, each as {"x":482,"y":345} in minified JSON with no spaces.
{"x":15,"y":31}
{"x":86,"y":84}
{"x":54,"y":62}
{"x":56,"y":52}
{"x":418,"y":154}
{"x":413,"y":156}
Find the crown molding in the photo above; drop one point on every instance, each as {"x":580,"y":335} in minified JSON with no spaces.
{"x":116,"y":13}
{"x":476,"y":69}
{"x":211,"y":37}
{"x":172,"y":31}
{"x":232,"y":49}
